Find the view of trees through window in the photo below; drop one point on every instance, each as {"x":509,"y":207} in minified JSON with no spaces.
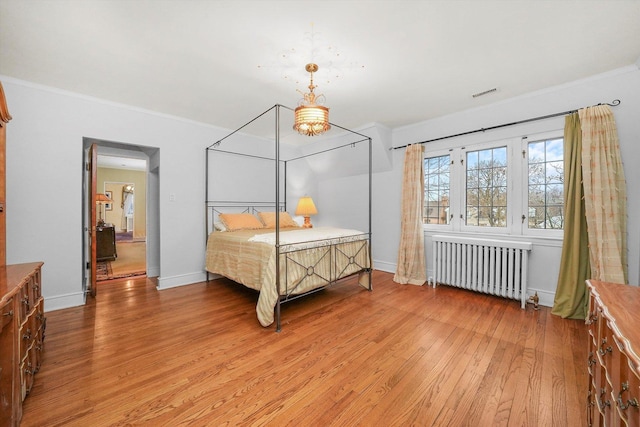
{"x":436,"y":190}
{"x":546,"y":184}
{"x":469,"y":186}
{"x":487,"y":187}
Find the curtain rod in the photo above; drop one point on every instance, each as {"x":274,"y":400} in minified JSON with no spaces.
{"x":564,"y":113}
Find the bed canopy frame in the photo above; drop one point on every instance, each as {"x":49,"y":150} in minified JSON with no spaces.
{"x":279,"y":201}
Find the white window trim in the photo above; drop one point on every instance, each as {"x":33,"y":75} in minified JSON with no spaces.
{"x":450,"y":152}
{"x":525,"y":140}
{"x":517,"y":188}
{"x":508,"y":143}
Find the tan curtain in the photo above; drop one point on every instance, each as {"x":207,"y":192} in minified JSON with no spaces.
{"x":412,"y":268}
{"x":571,"y":292}
{"x":605,"y":194}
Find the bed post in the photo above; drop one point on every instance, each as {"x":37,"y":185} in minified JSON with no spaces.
{"x":277,"y":163}
{"x":206,"y":203}
{"x":370,"y":208}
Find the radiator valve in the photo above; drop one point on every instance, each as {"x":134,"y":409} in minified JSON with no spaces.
{"x":534,"y":299}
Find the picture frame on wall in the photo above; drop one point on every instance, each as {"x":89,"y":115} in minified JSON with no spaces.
{"x":109,"y":205}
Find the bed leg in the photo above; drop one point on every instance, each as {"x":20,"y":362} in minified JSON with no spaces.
{"x":278,"y":325}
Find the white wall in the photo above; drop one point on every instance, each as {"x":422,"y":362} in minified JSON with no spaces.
{"x":623,"y":84}
{"x":44,"y":176}
{"x":44,"y":183}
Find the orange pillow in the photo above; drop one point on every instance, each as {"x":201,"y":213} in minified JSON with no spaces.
{"x":269,"y":220}
{"x":242,"y":221}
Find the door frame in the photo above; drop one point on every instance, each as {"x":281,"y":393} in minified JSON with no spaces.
{"x":152,"y":156}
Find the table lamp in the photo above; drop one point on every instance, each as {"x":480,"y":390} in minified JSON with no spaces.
{"x":101,"y":199}
{"x":306,"y":208}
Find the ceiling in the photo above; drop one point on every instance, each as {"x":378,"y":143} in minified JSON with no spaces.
{"x":390,"y":62}
{"x":121,"y":162}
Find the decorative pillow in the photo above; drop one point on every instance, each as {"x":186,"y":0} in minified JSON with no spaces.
{"x":269,"y":220}
{"x":219,"y":226}
{"x":242,"y":221}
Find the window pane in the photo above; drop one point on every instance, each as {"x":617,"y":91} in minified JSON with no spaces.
{"x":472,"y":215}
{"x":472,"y":179}
{"x":500,"y":156}
{"x":555,"y":217}
{"x":555,"y":194}
{"x":536,"y":216}
{"x":484,"y":177}
{"x":499,"y":216}
{"x":536,"y":152}
{"x":472,"y":197}
{"x":484,"y":158}
{"x":499,"y":176}
{"x":537,"y":173}
{"x":484,"y":216}
{"x":555,"y":172}
{"x":430,"y":164}
{"x":436,"y":190}
{"x":537,"y":194}
{"x":546,"y":184}
{"x":500,"y":196}
{"x":555,"y":149}
{"x":486,"y":202}
{"x":472,"y":160}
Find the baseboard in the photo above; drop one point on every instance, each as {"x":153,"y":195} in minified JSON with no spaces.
{"x":181,"y":280}
{"x":153,"y":271}
{"x":60,"y":302}
{"x":384,"y":266}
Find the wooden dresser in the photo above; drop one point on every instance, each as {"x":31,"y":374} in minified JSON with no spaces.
{"x":614,"y":354}
{"x":21,"y":336}
{"x":106,"y":243}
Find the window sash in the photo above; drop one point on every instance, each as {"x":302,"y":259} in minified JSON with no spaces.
{"x":507,"y":181}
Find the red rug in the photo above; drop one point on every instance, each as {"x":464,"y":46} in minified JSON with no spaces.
{"x":104,"y":272}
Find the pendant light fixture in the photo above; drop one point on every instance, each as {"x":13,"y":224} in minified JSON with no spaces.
{"x":311,"y":118}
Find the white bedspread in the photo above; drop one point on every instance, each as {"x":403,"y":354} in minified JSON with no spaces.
{"x":309,"y":237}
{"x":249,"y":257}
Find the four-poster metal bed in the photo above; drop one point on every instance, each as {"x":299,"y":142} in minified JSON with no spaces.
{"x":295,"y":262}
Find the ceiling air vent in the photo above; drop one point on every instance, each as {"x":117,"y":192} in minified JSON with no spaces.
{"x":475,"y":95}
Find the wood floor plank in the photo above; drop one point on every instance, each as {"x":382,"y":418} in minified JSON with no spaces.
{"x":400,"y":355}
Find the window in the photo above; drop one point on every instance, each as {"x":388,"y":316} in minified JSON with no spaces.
{"x":546,"y":184}
{"x":486,"y":195}
{"x":436,"y":190}
{"x":512,"y":186}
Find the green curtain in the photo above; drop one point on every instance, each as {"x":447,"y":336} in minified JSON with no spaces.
{"x":571,"y":293}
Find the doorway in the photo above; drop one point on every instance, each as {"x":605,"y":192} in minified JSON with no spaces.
{"x":124,"y":218}
{"x":128,"y":175}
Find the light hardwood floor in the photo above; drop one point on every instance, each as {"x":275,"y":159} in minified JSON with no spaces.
{"x":398,"y":356}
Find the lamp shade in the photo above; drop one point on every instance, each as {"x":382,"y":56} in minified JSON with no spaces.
{"x":311,"y":120}
{"x":102,"y":198}
{"x":306,"y":207}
